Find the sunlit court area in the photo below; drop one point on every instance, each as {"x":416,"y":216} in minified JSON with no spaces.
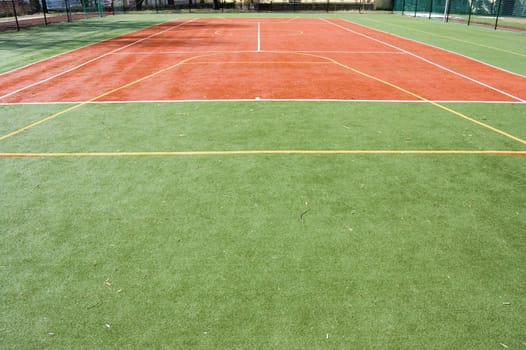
{"x":262,"y":175}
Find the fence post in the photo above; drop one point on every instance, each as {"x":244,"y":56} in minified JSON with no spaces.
{"x":16,"y":17}
{"x":416,"y":7}
{"x":497,"y":18}
{"x":470,"y":11}
{"x":44,"y":11}
{"x":84,"y":8}
{"x":446,"y":10}
{"x":403,"y":7}
{"x":100,"y":8}
{"x":430,"y":9}
{"x":68,"y":13}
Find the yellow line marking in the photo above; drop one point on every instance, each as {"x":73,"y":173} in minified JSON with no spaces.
{"x":185,"y":61}
{"x":258,"y":152}
{"x":436,"y":104}
{"x":52,"y":116}
{"x":109,"y":92}
{"x":478,"y":122}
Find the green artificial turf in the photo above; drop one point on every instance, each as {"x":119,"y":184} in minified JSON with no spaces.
{"x":210,"y":252}
{"x":262,"y":251}
{"x":268,"y":251}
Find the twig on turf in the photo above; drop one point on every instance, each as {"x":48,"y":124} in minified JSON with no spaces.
{"x":302,"y":214}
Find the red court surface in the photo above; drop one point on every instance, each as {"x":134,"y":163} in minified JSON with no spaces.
{"x":238,"y":59}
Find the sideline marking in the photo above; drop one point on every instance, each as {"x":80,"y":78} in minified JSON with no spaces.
{"x":258,"y":152}
{"x":450,"y":38}
{"x":446,"y":50}
{"x":109,"y":92}
{"x":85,"y":46}
{"x":425,"y":60}
{"x":93,"y":60}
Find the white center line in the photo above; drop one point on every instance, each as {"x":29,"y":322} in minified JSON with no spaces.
{"x":259,"y":37}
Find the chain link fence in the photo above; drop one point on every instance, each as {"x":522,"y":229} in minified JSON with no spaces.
{"x":504,"y":14}
{"x":507,"y":14}
{"x":16,"y":14}
{"x":246,"y":5}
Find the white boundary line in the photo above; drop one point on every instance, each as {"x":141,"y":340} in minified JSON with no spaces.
{"x":266,"y":51}
{"x":258,"y":100}
{"x":441,"y":48}
{"x":94,"y":59}
{"x":425,"y":60}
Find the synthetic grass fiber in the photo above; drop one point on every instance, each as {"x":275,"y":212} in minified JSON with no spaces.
{"x":260,"y":251}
